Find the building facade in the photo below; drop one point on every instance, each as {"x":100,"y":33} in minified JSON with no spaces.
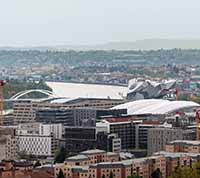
{"x":38,"y":139}
{"x":8,"y":144}
{"x":159,"y":137}
{"x":82,"y":167}
{"x":186,"y":146}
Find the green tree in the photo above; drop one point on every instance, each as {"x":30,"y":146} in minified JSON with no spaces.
{"x":197,"y":168}
{"x":60,"y":156}
{"x":156,"y":174}
{"x":134,"y":176}
{"x":185,"y":172}
{"x":103,"y":176}
{"x":111,"y":175}
{"x":60,"y":174}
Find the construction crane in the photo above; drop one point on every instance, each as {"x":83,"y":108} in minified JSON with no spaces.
{"x":198,"y":124}
{"x":2,"y":83}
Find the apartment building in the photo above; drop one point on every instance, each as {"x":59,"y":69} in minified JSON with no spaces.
{"x":24,"y":111}
{"x":125,"y":128}
{"x":159,"y":137}
{"x":38,"y":139}
{"x":165,"y":162}
{"x":119,"y":169}
{"x":174,"y":160}
{"x":186,"y":146}
{"x":8,"y":144}
{"x":78,"y":139}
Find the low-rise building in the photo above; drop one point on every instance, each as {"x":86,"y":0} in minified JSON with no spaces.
{"x":165,"y":162}
{"x":187,"y":146}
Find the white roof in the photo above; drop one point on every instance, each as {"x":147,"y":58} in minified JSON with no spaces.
{"x":74,"y":90}
{"x":155,"y":106}
{"x":62,"y":100}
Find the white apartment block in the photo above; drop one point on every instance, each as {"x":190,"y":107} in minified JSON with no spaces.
{"x":38,"y":139}
{"x":35,"y":145}
{"x":35,"y":128}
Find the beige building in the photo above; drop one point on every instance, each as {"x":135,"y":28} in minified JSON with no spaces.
{"x":8,"y":144}
{"x":165,"y":162}
{"x":187,"y":146}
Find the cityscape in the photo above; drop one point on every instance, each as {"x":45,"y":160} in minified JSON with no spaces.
{"x":106,"y":89}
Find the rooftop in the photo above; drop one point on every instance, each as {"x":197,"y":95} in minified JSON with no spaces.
{"x":77,"y":157}
{"x":122,"y":119}
{"x":155,"y":106}
{"x":190,"y":142}
{"x":95,"y":151}
{"x":175,"y":155}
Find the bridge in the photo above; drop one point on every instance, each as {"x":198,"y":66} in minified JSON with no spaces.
{"x":19,"y":95}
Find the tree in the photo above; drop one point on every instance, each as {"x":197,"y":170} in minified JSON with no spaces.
{"x":156,"y":174}
{"x":60,"y":174}
{"x":111,"y":175}
{"x":185,"y":172}
{"x":60,"y":156}
{"x":197,"y":168}
{"x":103,"y":176}
{"x":134,"y":176}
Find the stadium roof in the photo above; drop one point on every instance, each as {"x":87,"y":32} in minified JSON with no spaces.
{"x":155,"y":106}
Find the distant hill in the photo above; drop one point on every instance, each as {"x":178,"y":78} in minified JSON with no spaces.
{"x":148,"y":44}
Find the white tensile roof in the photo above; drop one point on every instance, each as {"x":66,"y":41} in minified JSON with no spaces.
{"x":155,"y":106}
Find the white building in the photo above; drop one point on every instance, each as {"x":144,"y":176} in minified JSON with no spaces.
{"x":36,"y":145}
{"x":36,"y":128}
{"x":38,"y":139}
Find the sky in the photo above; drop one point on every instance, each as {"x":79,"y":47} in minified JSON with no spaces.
{"x":86,"y":22}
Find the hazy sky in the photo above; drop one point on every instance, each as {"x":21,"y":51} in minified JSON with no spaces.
{"x":54,"y":22}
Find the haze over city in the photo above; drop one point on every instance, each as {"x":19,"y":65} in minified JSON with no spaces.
{"x":99,"y":89}
{"x":91,"y":22}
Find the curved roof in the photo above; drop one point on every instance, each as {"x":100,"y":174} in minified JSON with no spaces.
{"x":155,"y":106}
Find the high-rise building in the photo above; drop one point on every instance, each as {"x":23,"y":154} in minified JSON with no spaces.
{"x":8,"y":144}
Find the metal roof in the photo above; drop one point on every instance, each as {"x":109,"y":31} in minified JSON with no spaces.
{"x":155,"y":106}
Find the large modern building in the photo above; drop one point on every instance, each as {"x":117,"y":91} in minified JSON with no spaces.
{"x":74,"y":116}
{"x":142,"y":130}
{"x":147,"y":89}
{"x":25,"y":110}
{"x":125,"y":128}
{"x":98,"y":103}
{"x":78,"y":139}
{"x":157,"y":107}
